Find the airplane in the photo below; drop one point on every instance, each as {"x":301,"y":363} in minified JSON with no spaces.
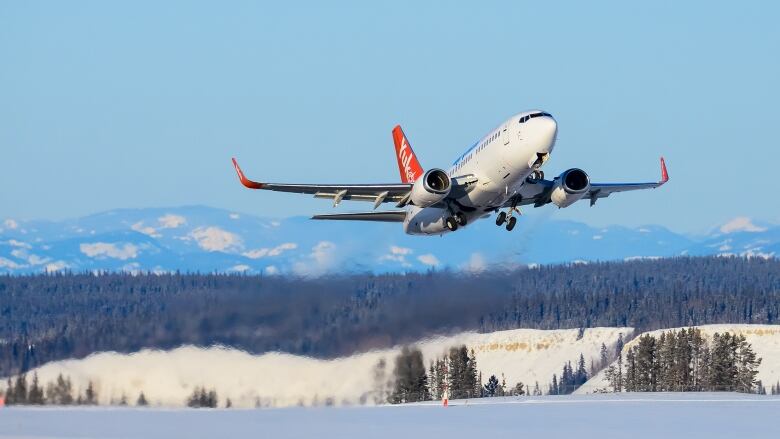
{"x":499,"y":173}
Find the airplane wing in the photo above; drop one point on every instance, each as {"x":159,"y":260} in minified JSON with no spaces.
{"x":538,"y":192}
{"x":377,"y":193}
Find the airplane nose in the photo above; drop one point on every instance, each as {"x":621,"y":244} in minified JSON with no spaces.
{"x":548,"y":130}
{"x":548,"y":126}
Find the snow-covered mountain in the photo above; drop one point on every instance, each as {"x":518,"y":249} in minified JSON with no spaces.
{"x":276,"y":379}
{"x":196,"y":238}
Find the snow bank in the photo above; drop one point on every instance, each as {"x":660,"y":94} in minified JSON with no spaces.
{"x":764,"y":338}
{"x":167,"y":378}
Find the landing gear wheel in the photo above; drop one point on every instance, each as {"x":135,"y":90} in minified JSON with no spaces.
{"x":451,"y":224}
{"x":501,"y":218}
{"x":460,"y":218}
{"x":536,"y":175}
{"x":511,"y":224}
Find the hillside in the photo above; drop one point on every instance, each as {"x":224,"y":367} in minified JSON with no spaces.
{"x":53,"y":317}
{"x":275,"y":379}
{"x":196,"y":238}
{"x":765,"y":340}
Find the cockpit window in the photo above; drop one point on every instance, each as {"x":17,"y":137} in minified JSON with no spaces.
{"x":526,"y":118}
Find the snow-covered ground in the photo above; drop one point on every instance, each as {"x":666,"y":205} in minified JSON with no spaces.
{"x":276,"y":379}
{"x":765,"y":340}
{"x":636,"y":416}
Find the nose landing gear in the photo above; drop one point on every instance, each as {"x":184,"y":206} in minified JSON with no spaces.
{"x":535,"y":176}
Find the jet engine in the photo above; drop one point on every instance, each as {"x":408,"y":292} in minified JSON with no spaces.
{"x":431,"y":188}
{"x":570,"y":186}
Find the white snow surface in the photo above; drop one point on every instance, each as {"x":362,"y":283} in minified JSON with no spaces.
{"x":765,"y":340}
{"x":627,"y":415}
{"x":167,"y":378}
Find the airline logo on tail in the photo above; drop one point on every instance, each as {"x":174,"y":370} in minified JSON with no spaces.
{"x":408,"y":165}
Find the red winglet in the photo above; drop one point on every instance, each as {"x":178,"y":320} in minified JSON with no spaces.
{"x":245,"y":181}
{"x":664,"y":173}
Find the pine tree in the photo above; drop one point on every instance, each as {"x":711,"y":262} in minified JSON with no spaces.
{"x":581,"y":376}
{"x":630,"y":383}
{"x":704,"y":369}
{"x":433,"y":382}
{"x":664,"y":362}
{"x":462,"y":377}
{"x":228,"y":403}
{"x":35,"y":395}
{"x":603,"y":360}
{"x":90,"y":397}
{"x":518,"y":390}
{"x":683,"y":359}
{"x":609,"y":376}
{"x":698,"y":367}
{"x":491,"y":388}
{"x":474,"y":376}
{"x":747,"y":365}
{"x":566,"y":383}
{"x":60,"y":392}
{"x":123,"y":399}
{"x":411,"y":381}
{"x":442,"y":372}
{"x":646,"y":364}
{"x":211,"y":399}
{"x":554,"y":386}
{"x":10,"y":396}
{"x":537,"y":391}
{"x":141,"y":401}
{"x":20,"y":390}
{"x":723,"y":368}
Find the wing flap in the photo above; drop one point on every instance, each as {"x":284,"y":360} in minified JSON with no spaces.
{"x":392,"y":216}
{"x":537,"y":192}
{"x":603,"y":190}
{"x":377,"y":193}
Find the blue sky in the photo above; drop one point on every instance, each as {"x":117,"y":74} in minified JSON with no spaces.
{"x":142,"y":104}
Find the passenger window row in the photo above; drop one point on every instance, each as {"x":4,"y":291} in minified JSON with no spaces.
{"x":465,"y":159}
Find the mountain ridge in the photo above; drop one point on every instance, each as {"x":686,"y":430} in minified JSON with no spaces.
{"x":200,"y":238}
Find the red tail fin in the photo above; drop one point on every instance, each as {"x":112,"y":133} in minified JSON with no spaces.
{"x":407,"y":162}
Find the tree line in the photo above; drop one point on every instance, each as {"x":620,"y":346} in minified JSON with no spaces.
{"x":685,"y":361}
{"x":58,"y":392}
{"x":71,"y":315}
{"x":454,"y":375}
{"x":61,"y":392}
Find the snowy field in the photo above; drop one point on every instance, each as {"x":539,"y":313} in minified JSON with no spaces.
{"x":671,"y":415}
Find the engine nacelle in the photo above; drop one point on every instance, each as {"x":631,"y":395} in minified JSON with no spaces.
{"x":570,"y":186}
{"x":431,"y":188}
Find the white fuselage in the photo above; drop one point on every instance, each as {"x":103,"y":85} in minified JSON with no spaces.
{"x":499,"y":164}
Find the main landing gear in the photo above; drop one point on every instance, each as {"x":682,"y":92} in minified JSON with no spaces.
{"x":509,"y":219}
{"x":453,"y":222}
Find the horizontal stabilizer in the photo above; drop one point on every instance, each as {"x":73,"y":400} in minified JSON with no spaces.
{"x":392,"y":216}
